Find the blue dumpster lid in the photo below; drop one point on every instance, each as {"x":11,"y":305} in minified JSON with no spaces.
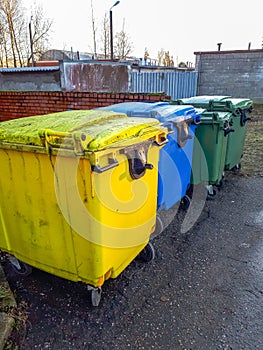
{"x":163,"y":111}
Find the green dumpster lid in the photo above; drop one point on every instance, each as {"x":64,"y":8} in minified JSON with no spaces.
{"x":93,"y":129}
{"x":233,"y":105}
{"x":243,"y":103}
{"x":219,"y":103}
{"x":203,"y":100}
{"x":213,"y":116}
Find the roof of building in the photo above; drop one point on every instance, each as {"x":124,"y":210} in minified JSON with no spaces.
{"x":29,"y":69}
{"x":226,"y":52}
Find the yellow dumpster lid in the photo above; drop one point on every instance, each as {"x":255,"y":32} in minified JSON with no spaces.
{"x":93,"y":129}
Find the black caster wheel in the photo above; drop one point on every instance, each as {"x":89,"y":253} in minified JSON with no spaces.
{"x":211,"y":192}
{"x":148,"y":253}
{"x":236,"y":169}
{"x":185,"y":202}
{"x":20,"y":267}
{"x":220,"y":185}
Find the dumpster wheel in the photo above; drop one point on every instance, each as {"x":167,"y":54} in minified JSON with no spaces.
{"x":20,"y":267}
{"x":185,"y":202}
{"x":95,"y":295}
{"x":211,"y":192}
{"x":148,"y":253}
{"x":236,"y":169}
{"x":220,"y":185}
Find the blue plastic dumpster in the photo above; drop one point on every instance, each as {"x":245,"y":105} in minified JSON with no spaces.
{"x":176,"y":156}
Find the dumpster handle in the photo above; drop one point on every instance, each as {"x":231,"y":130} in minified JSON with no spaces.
{"x":138,"y":168}
{"x":112,"y":164}
{"x":196,"y":122}
{"x":137,"y":159}
{"x":163,"y":142}
{"x":227,"y":130}
{"x":188,"y":137}
{"x":183,"y":134}
{"x":243,"y":117}
{"x":77,"y":138}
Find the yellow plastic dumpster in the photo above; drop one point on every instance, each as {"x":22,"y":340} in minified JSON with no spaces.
{"x":78,"y":191}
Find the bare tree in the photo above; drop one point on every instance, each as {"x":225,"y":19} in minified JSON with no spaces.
{"x":12,"y":20}
{"x":3,"y":45}
{"x":164,"y":58}
{"x":123,"y":45}
{"x":168,"y":60}
{"x":105,"y":37}
{"x":41,"y":31}
{"x":14,"y":33}
{"x":93,"y":30}
{"x":146,"y":55}
{"x":161,"y":54}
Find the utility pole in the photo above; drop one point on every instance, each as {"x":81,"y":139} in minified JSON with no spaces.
{"x":31,"y":42}
{"x":111,"y":30}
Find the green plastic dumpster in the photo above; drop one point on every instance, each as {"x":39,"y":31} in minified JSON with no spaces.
{"x":240,"y":109}
{"x":210,"y":146}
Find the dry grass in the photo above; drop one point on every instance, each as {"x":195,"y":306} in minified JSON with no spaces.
{"x":252,"y":162}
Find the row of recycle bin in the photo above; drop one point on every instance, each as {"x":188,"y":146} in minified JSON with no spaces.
{"x":80,"y":191}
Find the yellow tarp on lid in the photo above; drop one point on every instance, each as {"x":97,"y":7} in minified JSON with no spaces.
{"x":94,"y":129}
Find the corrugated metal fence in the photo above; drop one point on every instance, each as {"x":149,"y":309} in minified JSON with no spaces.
{"x":175,"y":84}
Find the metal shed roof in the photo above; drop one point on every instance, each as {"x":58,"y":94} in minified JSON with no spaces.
{"x":29,"y":69}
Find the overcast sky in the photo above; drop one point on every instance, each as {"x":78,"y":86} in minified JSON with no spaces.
{"x":180,"y":29}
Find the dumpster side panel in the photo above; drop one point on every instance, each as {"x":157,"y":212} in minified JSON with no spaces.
{"x":32,"y":222}
{"x":122,"y":213}
{"x":235,"y":144}
{"x":60,"y":216}
{"x":209,"y":154}
{"x":175,"y":169}
{"x":235,"y":147}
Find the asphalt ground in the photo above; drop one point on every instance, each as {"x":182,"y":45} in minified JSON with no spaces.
{"x":204,"y":290}
{"x":7,"y":304}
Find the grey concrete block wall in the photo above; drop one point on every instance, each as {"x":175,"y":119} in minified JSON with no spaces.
{"x":237,"y":73}
{"x":30,"y":79}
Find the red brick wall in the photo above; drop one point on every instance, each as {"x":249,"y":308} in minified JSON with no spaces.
{"x":23,"y":104}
